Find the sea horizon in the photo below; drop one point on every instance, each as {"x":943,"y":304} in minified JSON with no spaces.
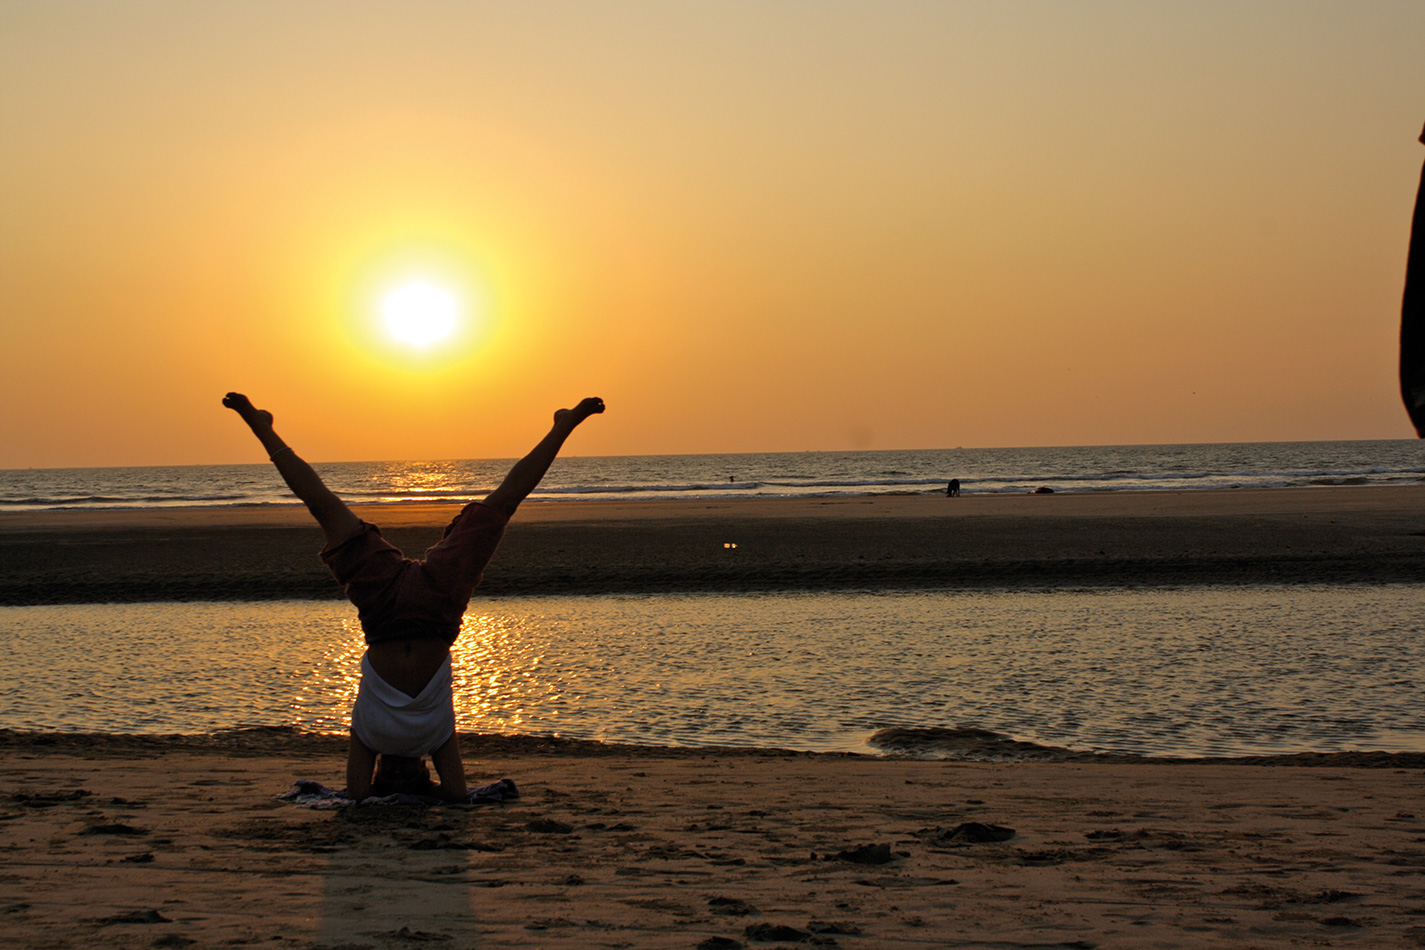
{"x":812,"y":473}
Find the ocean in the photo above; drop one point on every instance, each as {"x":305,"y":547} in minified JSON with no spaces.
{"x":781,"y":474}
{"x":1200,"y":671}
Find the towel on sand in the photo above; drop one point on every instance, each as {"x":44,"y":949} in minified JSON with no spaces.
{"x":311,"y":794}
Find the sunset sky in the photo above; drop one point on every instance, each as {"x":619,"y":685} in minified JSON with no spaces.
{"x":749,"y":226}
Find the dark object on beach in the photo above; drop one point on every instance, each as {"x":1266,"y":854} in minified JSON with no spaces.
{"x":973,"y":832}
{"x":1331,"y":897}
{"x":731,"y":907}
{"x":115,"y":829}
{"x":953,"y":489}
{"x":866,"y":854}
{"x":1043,"y":490}
{"x":770,"y":932}
{"x":48,"y":799}
{"x":1412,"y":317}
{"x":417,"y":936}
{"x":443,"y":843}
{"x":721,"y":943}
{"x":136,"y":917}
{"x":1339,"y":922}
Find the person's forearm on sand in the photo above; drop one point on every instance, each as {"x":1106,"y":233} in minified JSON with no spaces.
{"x":451,"y":770}
{"x":360,"y":764}
{"x":528,"y":471}
{"x":337,"y":521}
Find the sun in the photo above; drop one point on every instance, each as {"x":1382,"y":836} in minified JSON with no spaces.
{"x":420,"y":314}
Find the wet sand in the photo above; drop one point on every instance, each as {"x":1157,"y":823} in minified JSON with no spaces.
{"x":1288,"y":536}
{"x":173,"y":844}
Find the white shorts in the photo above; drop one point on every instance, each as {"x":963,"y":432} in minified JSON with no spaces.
{"x":388,"y":721}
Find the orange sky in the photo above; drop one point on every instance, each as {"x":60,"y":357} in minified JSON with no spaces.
{"x":748,"y":226}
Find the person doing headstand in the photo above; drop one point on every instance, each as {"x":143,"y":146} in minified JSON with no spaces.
{"x":410,"y":611}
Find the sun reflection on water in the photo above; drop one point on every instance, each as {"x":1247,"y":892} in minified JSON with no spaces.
{"x":324,"y":694}
{"x":498,"y":674}
{"x":498,"y":677}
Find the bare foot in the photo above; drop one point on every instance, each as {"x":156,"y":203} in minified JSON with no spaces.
{"x":579,"y":413}
{"x":243,"y":406}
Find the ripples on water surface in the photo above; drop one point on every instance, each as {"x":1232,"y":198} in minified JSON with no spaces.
{"x":1190,"y":672}
{"x":775,"y":474}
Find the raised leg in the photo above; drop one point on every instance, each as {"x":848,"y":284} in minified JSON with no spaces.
{"x":337,"y":521}
{"x":528,"y":471}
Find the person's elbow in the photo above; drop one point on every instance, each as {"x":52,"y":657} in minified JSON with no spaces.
{"x":503,"y":502}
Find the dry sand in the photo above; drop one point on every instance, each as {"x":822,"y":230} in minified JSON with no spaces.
{"x":1315,"y":535}
{"x":662,"y":849}
{"x":167,"y":843}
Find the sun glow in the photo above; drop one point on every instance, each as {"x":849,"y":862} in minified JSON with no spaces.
{"x":420,"y":314}
{"x":420,"y":307}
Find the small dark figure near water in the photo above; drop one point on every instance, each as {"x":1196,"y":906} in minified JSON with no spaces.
{"x":953,"y":489}
{"x":410,"y":612}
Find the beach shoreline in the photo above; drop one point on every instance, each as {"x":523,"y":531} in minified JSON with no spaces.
{"x":265,"y":741}
{"x":1350,"y":535}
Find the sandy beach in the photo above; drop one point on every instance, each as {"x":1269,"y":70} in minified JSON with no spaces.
{"x":182,"y":844}
{"x":171,"y":842}
{"x":1310,"y":535}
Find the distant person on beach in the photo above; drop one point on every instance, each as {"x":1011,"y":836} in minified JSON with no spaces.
{"x":953,"y":489}
{"x":1412,"y":316}
{"x":410,"y":612}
